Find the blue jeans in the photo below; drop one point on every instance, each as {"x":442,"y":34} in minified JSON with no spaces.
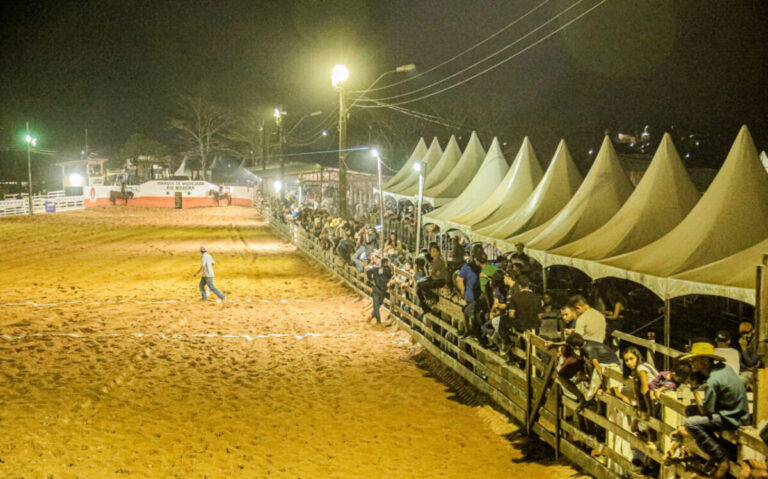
{"x":207,"y":280}
{"x":356,"y":257}
{"x":378,"y":300}
{"x":703,"y":429}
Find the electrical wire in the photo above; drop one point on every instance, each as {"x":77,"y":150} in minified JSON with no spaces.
{"x":494,"y":35}
{"x":486,"y":58}
{"x":325,"y":123}
{"x":492,"y":67}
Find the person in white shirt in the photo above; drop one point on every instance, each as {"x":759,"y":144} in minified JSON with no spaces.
{"x":591,"y":322}
{"x":206,"y":267}
{"x":730,"y":354}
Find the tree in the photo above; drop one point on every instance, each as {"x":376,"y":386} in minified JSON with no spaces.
{"x":202,"y":126}
{"x":140,"y":145}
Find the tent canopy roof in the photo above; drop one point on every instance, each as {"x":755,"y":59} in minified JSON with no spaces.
{"x":662,"y":199}
{"x":447,"y":162}
{"x":458,"y":179}
{"x":418,"y":152}
{"x":731,"y":216}
{"x":605,"y":188}
{"x":553,"y":192}
{"x":410,"y":185}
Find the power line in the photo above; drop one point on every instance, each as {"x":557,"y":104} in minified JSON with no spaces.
{"x":494,"y":35}
{"x":492,"y":67}
{"x":488,"y":57}
{"x":326,"y":123}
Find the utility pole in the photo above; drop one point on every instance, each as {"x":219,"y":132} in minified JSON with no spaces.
{"x":342,"y":154}
{"x":279,"y":125}
{"x":30,"y":143}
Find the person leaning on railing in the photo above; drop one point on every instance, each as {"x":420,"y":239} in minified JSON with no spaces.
{"x":438,"y":277}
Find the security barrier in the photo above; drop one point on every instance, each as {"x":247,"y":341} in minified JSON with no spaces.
{"x":531,"y":396}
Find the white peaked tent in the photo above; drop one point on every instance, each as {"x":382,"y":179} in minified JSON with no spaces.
{"x":410,"y":185}
{"x":448,"y":161}
{"x":517,"y":185}
{"x":486,"y":180}
{"x":731,"y":216}
{"x":182,"y":170}
{"x":764,"y":160}
{"x":662,"y":199}
{"x":605,"y":188}
{"x":407,"y":169}
{"x":553,"y":192}
{"x":459,"y":177}
{"x":733,"y":276}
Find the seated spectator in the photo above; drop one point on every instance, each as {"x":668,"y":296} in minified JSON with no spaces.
{"x":486,"y":269}
{"x":438,"y":277}
{"x":379,"y":276}
{"x":669,"y":380}
{"x":345,"y":248}
{"x":724,"y":349}
{"x":748,"y":357}
{"x":496,"y":329}
{"x":725,"y":405}
{"x":393,"y":249}
{"x":456,"y":258}
{"x":590,"y":323}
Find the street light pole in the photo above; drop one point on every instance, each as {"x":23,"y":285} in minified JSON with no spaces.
{"x":381,"y":192}
{"x":420,"y":168}
{"x":279,"y":125}
{"x":339,"y":75}
{"x":30,"y":143}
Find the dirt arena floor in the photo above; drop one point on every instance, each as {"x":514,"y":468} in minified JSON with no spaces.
{"x":112,"y":366}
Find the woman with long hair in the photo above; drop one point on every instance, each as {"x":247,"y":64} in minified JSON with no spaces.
{"x":393,"y":248}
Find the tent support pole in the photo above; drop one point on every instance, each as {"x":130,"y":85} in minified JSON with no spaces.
{"x":667,"y":328}
{"x":544,"y":274}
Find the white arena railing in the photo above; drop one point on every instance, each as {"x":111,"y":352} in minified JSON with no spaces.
{"x":53,"y":204}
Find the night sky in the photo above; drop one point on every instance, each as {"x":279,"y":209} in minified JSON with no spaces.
{"x":115,"y":67}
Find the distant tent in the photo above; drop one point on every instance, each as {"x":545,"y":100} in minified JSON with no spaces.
{"x":407,"y":169}
{"x":486,"y":180}
{"x":662,"y":199}
{"x":764,"y":160}
{"x":517,"y":185}
{"x":731,"y":216}
{"x":183,"y":170}
{"x":410,"y":186}
{"x":553,"y":192}
{"x":447,"y":163}
{"x":605,"y":188}
{"x":458,"y":179}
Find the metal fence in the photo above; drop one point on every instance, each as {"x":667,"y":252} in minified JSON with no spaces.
{"x":42,"y":204}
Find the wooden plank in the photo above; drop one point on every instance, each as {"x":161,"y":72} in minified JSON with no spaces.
{"x":651,"y":345}
{"x":576,"y":455}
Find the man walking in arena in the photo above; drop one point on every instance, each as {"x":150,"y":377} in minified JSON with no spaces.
{"x":206,"y":267}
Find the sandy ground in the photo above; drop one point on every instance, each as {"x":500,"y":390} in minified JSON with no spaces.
{"x":112,"y":366}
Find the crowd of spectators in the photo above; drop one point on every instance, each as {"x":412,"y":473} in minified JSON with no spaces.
{"x":500,"y":303}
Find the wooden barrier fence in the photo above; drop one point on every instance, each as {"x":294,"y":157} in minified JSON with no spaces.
{"x":530,"y":395}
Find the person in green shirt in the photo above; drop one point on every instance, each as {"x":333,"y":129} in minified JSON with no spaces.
{"x":724,"y":406}
{"x":486,"y":271}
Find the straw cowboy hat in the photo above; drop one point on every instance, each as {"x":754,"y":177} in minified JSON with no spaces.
{"x":706,"y":350}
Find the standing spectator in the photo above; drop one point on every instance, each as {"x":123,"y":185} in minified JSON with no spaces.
{"x":379,"y":276}
{"x":468,"y":281}
{"x":723,"y":348}
{"x":206,"y":267}
{"x":591,"y":322}
{"x":725,"y":405}
{"x":524,"y":306}
{"x":438,"y":277}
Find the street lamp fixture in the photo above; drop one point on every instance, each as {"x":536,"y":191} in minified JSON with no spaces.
{"x":339,"y":75}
